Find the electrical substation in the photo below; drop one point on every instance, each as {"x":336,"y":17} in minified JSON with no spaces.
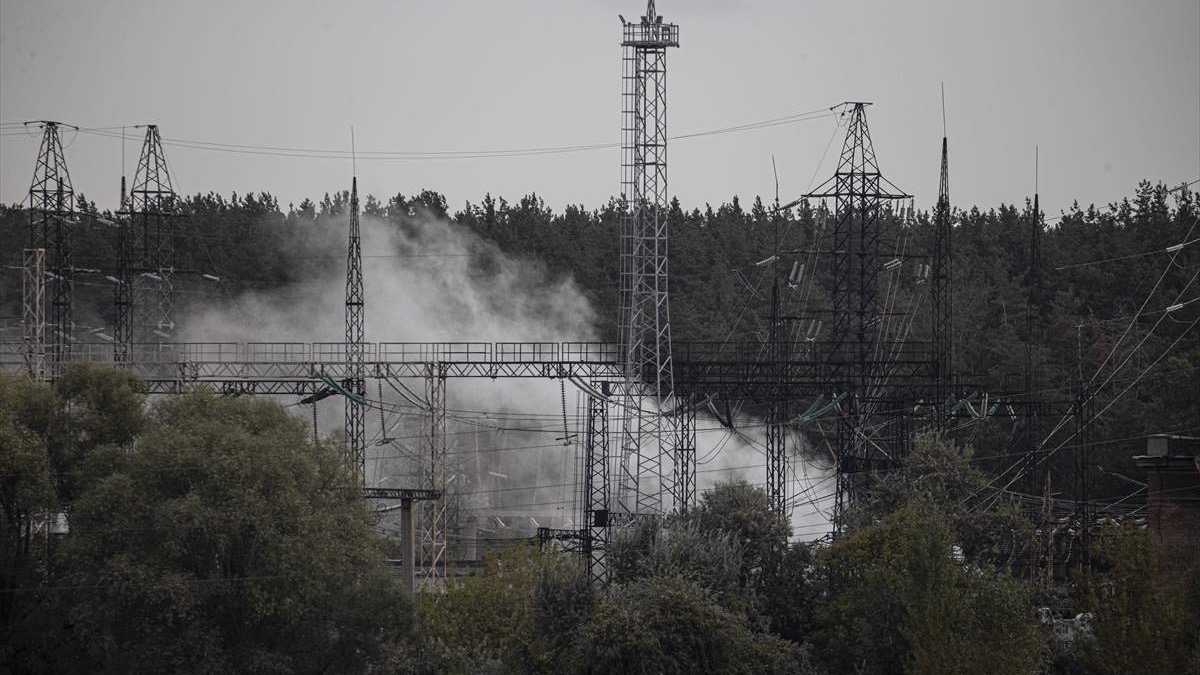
{"x":876,"y":362}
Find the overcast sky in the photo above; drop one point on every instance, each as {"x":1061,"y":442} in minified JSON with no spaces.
{"x":1109,"y":90}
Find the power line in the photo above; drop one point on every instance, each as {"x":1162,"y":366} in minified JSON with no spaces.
{"x":421,"y":155}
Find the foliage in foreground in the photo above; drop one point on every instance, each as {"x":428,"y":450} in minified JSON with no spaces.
{"x":213,"y":535}
{"x":209,"y":535}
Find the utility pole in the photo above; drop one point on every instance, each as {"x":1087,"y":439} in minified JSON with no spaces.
{"x":1085,"y":416}
{"x":51,"y":228}
{"x":649,"y":430}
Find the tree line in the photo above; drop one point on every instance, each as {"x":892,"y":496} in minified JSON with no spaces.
{"x":1100,"y":266}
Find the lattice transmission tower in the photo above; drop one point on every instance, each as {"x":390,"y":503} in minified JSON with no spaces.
{"x":51,"y":228}
{"x":649,"y":442}
{"x":858,"y":190}
{"x":145,"y":293}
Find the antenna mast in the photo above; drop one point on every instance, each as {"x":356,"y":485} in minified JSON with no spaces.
{"x":1033,"y":406}
{"x":943,"y":290}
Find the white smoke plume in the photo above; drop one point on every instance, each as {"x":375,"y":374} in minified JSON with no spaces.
{"x":429,"y":280}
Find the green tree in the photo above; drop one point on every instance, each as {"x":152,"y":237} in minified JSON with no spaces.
{"x":26,"y":503}
{"x":496,"y":622}
{"x":710,"y":559}
{"x":669,"y":625}
{"x":101,"y":406}
{"x":224,"y":540}
{"x":898,"y":601}
{"x":1145,"y":622}
{"x":742,"y":511}
{"x":942,"y":478}
{"x":775,"y":574}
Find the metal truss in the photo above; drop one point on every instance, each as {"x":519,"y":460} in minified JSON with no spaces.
{"x":596,"y":505}
{"x":33,"y":312}
{"x":777,"y":406}
{"x":433,"y":536}
{"x":685,"y":453}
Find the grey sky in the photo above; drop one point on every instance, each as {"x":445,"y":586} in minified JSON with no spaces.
{"x":1109,"y":90}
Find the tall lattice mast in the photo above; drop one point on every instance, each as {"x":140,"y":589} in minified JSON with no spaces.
{"x":648,"y":437}
{"x":1033,"y":405}
{"x":858,"y":189}
{"x":942,"y":296}
{"x":51,"y":227}
{"x":355,"y":336}
{"x":151,"y":210}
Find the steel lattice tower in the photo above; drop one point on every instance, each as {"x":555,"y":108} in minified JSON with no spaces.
{"x":146,"y":293}
{"x":942,"y":297}
{"x":1033,"y":405}
{"x":858,"y":189}
{"x":355,"y":336}
{"x":648,"y":436}
{"x":51,"y":227}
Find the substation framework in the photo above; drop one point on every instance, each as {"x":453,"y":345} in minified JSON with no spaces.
{"x":652,"y":385}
